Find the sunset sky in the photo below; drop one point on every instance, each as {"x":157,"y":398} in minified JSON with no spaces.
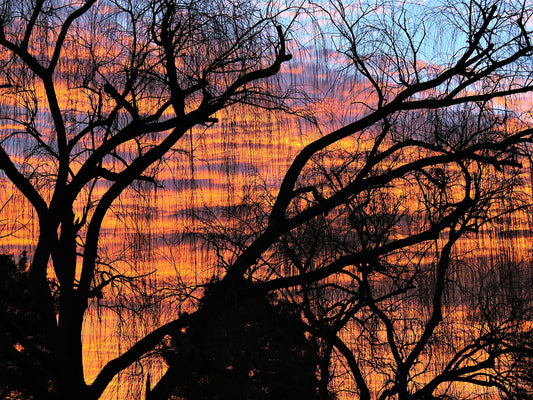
{"x":178,"y":226}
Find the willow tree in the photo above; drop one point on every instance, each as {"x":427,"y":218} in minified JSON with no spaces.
{"x":366,"y":233}
{"x":97,"y":93}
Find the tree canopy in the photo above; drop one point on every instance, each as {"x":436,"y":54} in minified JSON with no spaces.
{"x":250,"y":349}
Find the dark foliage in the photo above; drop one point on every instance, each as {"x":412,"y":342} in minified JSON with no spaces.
{"x":252,"y":349}
{"x":22,"y":374}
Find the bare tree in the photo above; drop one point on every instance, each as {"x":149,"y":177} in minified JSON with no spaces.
{"x":376,"y":268}
{"x":138,"y":76}
{"x":95,"y":94}
{"x":415,"y":320}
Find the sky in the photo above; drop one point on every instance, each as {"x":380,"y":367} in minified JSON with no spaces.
{"x":148,"y":230}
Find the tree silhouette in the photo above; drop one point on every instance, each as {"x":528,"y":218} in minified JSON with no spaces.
{"x":414,"y":321}
{"x":142,"y":75}
{"x":20,"y":334}
{"x":250,"y":349}
{"x":97,"y":94}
